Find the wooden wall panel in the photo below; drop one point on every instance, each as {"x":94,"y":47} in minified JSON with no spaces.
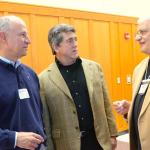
{"x":64,"y":20}
{"x":44,"y":54}
{"x":100,"y":38}
{"x":1,"y":13}
{"x":126,"y":57}
{"x":100,"y":51}
{"x":117,"y":92}
{"x":83,"y":37}
{"x":115,"y":61}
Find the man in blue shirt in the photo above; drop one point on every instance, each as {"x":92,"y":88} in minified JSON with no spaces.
{"x":21,"y":125}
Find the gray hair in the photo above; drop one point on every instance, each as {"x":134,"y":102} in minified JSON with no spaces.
{"x":55,"y":36}
{"x":143,"y":18}
{"x":5,"y":22}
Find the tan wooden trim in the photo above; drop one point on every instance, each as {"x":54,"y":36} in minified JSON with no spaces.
{"x":43,"y":10}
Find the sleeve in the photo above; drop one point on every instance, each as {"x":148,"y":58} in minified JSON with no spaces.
{"x":7,"y":139}
{"x":108,"y":108}
{"x":46,"y":118}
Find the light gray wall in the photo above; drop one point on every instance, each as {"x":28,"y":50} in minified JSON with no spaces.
{"x":135,"y":8}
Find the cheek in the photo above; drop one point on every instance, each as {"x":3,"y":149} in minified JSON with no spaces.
{"x":148,"y":46}
{"x":66,"y":49}
{"x":14,"y":43}
{"x":12,"y":46}
{"x":147,"y":38}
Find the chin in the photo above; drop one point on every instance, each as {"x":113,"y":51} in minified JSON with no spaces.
{"x":146,"y":51}
{"x":76,"y":56}
{"x":23,"y":54}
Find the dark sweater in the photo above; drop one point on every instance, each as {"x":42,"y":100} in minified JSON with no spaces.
{"x":18,"y":114}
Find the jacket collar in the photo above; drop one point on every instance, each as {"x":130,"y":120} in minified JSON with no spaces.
{"x":137,"y":83}
{"x":56,"y":77}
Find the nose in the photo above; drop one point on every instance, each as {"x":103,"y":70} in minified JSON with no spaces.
{"x":75,"y":43}
{"x":28,"y":40}
{"x":138,"y":37}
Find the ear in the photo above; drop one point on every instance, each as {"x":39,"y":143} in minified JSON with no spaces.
{"x":2,"y":36}
{"x":55,"y":47}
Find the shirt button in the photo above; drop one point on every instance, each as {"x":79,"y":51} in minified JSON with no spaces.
{"x":74,"y":81}
{"x":67,"y":71}
{"x":76,"y":127}
{"x":82,"y":118}
{"x":79,"y":106}
{"x":74,"y":111}
{"x":77,"y":93}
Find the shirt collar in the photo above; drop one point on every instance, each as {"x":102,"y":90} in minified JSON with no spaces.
{"x":77,"y":62}
{"x":15,"y":64}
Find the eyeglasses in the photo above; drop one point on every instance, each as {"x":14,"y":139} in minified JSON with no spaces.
{"x":141,"y":32}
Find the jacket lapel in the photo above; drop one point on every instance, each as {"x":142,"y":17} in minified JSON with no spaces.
{"x":136,"y":84}
{"x":56,"y":77}
{"x":146,"y":100}
{"x":88,"y":76}
{"x":138,"y":78}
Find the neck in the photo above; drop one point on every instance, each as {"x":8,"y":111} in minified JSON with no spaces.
{"x":65,"y":62}
{"x":8,"y":56}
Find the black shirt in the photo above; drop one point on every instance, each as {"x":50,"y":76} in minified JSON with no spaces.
{"x":76,"y":82}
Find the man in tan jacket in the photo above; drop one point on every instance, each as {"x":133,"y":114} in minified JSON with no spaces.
{"x":139,"y":109}
{"x":75,"y":98}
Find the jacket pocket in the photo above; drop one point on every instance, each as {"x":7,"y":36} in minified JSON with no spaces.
{"x":56,"y":133}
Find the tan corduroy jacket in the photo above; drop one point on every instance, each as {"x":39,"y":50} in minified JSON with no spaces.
{"x":144,"y":116}
{"x":60,"y":110}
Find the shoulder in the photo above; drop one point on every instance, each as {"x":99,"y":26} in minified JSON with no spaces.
{"x":87,"y":61}
{"x":27,"y":69}
{"x":143,"y":62}
{"x":91,"y":63}
{"x":46,"y":70}
{"x":43,"y":73}
{"x":29,"y":72}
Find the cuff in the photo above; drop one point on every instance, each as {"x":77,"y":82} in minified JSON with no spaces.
{"x":12,"y":138}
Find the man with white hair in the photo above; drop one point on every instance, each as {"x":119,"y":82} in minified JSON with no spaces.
{"x":21,"y":125}
{"x":139,"y":109}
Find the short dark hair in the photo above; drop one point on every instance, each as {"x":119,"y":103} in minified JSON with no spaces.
{"x":55,"y":36}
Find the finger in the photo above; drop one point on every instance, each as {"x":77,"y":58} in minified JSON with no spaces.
{"x":35,"y":140}
{"x":119,"y":109}
{"x":121,"y":112}
{"x":115,"y":103}
{"x":37,"y":136}
{"x":34,"y":145}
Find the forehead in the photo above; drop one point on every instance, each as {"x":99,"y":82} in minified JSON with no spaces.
{"x":67,"y":35}
{"x":18,"y":27}
{"x":144,"y":24}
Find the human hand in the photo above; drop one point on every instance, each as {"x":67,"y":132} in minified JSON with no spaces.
{"x":113,"y":142}
{"x":122,"y":107}
{"x":28,"y":140}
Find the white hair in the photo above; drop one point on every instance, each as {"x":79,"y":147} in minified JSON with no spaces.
{"x":6,"y":21}
{"x":143,"y":18}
